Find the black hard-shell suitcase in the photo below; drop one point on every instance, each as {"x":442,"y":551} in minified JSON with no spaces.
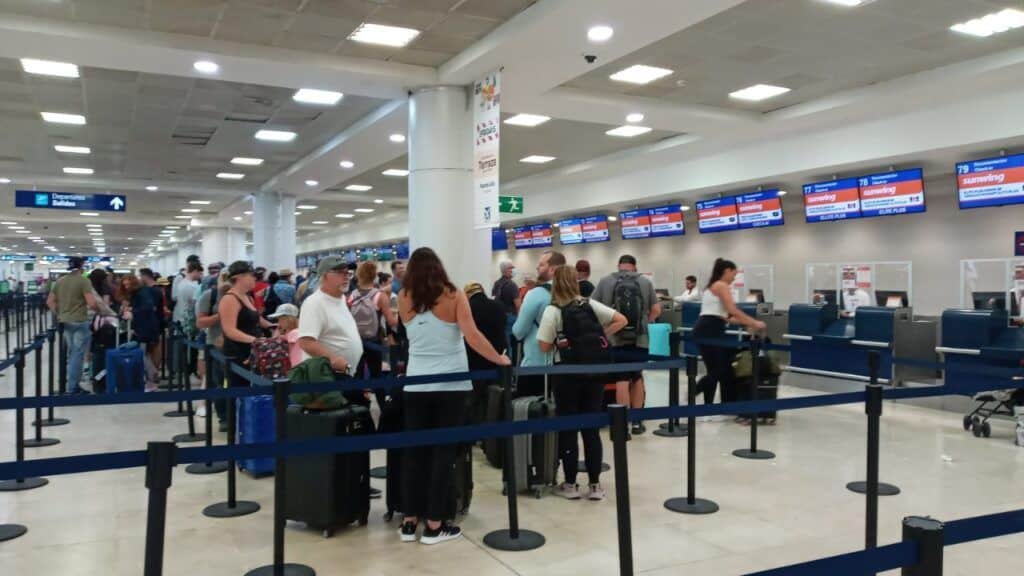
{"x":390,"y":402}
{"x":328,"y":490}
{"x":462,"y":485}
{"x":768,"y":390}
{"x":494,"y":448}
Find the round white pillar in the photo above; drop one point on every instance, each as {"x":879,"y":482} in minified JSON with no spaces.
{"x":273,"y":231}
{"x":441,"y":183}
{"x":215,"y":245}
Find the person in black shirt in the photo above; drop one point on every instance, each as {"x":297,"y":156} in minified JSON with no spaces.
{"x":505,"y":290}
{"x":491,"y":320}
{"x":583,"y":273}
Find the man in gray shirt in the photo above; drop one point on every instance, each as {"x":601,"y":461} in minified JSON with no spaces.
{"x":632,"y":295}
{"x":208,"y":320}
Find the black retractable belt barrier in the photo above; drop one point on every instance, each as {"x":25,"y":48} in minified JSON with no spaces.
{"x":161,"y":457}
{"x":873,"y":409}
{"x":753,"y":453}
{"x":513,"y":539}
{"x":619,"y":432}
{"x":279,"y":567}
{"x":208,"y":467}
{"x":7,"y":303}
{"x":185,"y":383}
{"x":673,"y":429}
{"x":232,"y":507}
{"x":19,"y":432}
{"x":179,"y":374}
{"x":691,"y":504}
{"x":38,"y":441}
{"x":929,"y":534}
{"x":62,"y":357}
{"x":19,"y":319}
{"x":163,"y":362}
{"x":50,"y":390}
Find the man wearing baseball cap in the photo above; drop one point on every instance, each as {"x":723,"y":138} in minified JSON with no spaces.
{"x":326,"y":327}
{"x":71,"y":299}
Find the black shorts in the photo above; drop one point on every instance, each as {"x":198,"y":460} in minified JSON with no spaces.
{"x":623,"y":354}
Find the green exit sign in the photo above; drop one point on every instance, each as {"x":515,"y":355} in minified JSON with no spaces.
{"x":510,"y":204}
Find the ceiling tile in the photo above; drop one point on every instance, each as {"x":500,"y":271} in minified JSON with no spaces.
{"x":345,"y":9}
{"x":421,"y":57}
{"x":409,"y":18}
{"x":62,"y":10}
{"x":193,"y":17}
{"x":307,"y":42}
{"x":465,"y":26}
{"x":251,"y":24}
{"x":435,"y":42}
{"x":497,"y":9}
{"x":320,"y":25}
{"x":126,"y":13}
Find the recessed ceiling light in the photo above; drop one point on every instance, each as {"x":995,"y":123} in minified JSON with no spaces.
{"x":529,"y":120}
{"x":758,"y":92}
{"x":237,"y":218}
{"x":347,"y":164}
{"x":394,"y":36}
{"x":72,"y":149}
{"x":200,"y":202}
{"x":131,"y":238}
{"x":640,"y":74}
{"x":206,"y":67}
{"x":628,"y":131}
{"x":247,"y":212}
{"x":319,"y":222}
{"x":397,"y":138}
{"x":94,"y":225}
{"x":395,"y":172}
{"x":850,"y":3}
{"x":243,"y":161}
{"x":378,"y":201}
{"x":95,"y":233}
{"x":600,"y":34}
{"x":62,"y":118}
{"x":994,"y":23}
{"x":152,"y":188}
{"x":320,"y":97}
{"x":306,"y":207}
{"x":191,"y":210}
{"x":297,"y":213}
{"x":230,"y":176}
{"x":312,"y":183}
{"x":9,"y":223}
{"x":343,"y":215}
{"x":23,"y":231}
{"x":275,"y":135}
{"x":634,"y":118}
{"x":364,"y":210}
{"x":358,"y":188}
{"x":5,"y":180}
{"x":537,"y":159}
{"x":34,"y":238}
{"x":73,"y":170}
{"x":684,"y":208}
{"x":49,"y":68}
{"x":88,"y":213}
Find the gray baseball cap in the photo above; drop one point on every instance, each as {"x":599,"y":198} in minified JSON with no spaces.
{"x":331,"y":263}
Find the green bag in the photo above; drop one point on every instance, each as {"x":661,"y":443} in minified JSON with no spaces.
{"x":743,"y":366}
{"x":312,"y":371}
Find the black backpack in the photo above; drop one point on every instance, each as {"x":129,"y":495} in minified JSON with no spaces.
{"x":582,"y":339}
{"x":271,"y":302}
{"x":628,"y":301}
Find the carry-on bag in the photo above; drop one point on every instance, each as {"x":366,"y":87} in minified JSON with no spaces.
{"x":494,"y":448}
{"x":254,"y":419}
{"x":536,"y":454}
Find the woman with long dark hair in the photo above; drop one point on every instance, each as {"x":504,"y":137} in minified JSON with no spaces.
{"x":717,"y":309}
{"x":436,"y":316}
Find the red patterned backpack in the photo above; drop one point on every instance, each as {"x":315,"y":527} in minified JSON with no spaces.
{"x":270,"y":358}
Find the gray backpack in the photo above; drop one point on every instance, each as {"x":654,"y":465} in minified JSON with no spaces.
{"x":364,"y":310}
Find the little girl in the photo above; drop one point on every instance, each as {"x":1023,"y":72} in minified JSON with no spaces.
{"x":287,"y":318}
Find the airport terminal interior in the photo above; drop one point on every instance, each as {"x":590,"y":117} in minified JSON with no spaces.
{"x":858,"y":164}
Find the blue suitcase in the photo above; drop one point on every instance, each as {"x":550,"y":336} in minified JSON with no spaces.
{"x":125,"y":368}
{"x":255,"y":425}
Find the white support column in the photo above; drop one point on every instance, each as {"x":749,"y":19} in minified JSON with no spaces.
{"x":223,"y":245}
{"x":441,"y":183}
{"x":273,"y":231}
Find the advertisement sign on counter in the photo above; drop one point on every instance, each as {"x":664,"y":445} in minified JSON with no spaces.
{"x":991,"y":182}
{"x":835,"y":200}
{"x":716,"y":215}
{"x":899,"y":192}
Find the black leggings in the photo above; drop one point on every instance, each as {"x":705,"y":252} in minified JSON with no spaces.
{"x":427,"y":471}
{"x":717,"y":360}
{"x":579,"y":395}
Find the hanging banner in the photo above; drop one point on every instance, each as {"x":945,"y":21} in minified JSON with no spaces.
{"x":486,"y":142}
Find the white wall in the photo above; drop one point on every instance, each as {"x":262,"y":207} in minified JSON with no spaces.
{"x":935,"y":242}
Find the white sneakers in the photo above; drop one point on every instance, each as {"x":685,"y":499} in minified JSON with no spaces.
{"x":1018,"y":411}
{"x":572,"y":492}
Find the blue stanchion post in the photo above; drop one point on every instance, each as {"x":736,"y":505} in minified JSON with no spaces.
{"x":19,"y":432}
{"x":691,"y":504}
{"x":160,"y":459}
{"x":873,"y":409}
{"x":753,"y":453}
{"x":38,"y":441}
{"x":929,"y":536}
{"x":673,"y":429}
{"x":186,"y":384}
{"x":620,"y":432}
{"x":208,"y":467}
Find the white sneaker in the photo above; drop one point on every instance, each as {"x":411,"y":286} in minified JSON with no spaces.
{"x":201,"y":411}
{"x":595,"y":493}
{"x":195,"y":380}
{"x":568,"y":491}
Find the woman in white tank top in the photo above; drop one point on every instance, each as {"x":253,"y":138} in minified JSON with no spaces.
{"x":436,"y":317}
{"x":717,"y":309}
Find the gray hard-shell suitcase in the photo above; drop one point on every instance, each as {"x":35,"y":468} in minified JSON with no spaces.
{"x":536,"y":454}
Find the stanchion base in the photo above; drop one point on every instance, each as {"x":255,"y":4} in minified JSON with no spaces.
{"x":883,"y":488}
{"x":26,"y":484}
{"x":286,"y":570}
{"x":680,"y":431}
{"x":177,"y":414}
{"x":501,"y":540}
{"x":185,"y":438}
{"x":699,"y":506}
{"x":11,"y":531}
{"x":604,"y":466}
{"x":222,"y":510}
{"x":380,"y":472}
{"x":207,"y":468}
{"x":664,"y":425}
{"x":42,"y":442}
{"x":53,"y":422}
{"x":752,"y":455}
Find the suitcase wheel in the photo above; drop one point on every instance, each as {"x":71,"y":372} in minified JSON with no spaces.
{"x":327,"y":532}
{"x":365,"y":519}
{"x":537,"y":493}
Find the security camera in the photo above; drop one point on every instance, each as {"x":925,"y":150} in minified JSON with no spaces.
{"x":590,"y":58}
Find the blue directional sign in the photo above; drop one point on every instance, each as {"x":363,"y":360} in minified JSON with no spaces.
{"x":70,"y":201}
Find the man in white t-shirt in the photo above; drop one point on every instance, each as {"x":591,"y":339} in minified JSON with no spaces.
{"x":692,"y":292}
{"x":326,"y":327}
{"x":855,"y":298}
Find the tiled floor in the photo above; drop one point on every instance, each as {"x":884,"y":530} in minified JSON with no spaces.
{"x":773,"y":513}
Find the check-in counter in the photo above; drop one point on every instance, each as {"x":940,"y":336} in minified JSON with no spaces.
{"x":824,"y":344}
{"x":980,"y":338}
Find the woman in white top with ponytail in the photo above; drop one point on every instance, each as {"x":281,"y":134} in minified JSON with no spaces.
{"x":718,"y":308}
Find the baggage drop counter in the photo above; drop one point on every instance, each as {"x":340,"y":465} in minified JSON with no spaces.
{"x":980,"y":338}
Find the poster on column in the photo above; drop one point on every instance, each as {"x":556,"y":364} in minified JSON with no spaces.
{"x":486,"y":143}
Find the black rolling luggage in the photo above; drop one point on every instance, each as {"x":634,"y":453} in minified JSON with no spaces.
{"x":494,"y":448}
{"x":328,"y":490}
{"x":390,"y":402}
{"x":463,"y":480}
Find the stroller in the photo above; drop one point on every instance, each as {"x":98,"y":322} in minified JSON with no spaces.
{"x":991,"y":403}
